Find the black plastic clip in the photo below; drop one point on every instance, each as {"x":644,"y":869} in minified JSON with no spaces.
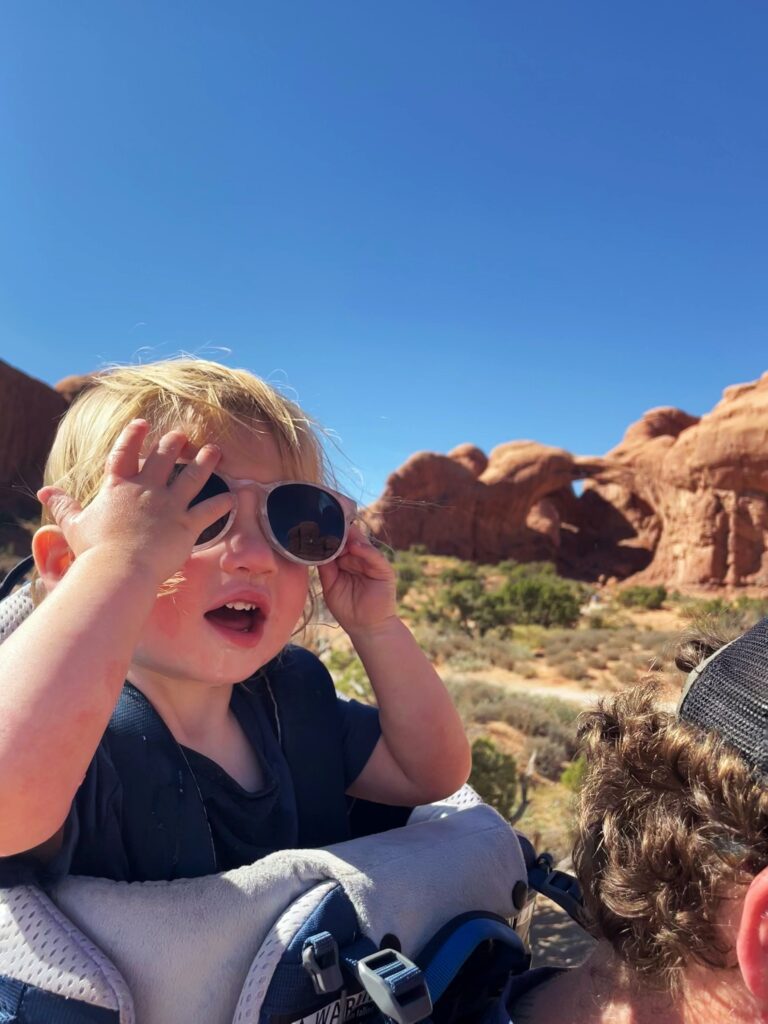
{"x":396,"y":985}
{"x":560,"y":887}
{"x":320,"y":957}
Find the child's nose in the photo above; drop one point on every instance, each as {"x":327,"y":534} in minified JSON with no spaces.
{"x":246,"y":547}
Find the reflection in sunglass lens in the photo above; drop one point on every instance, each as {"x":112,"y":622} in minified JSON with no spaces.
{"x":307,"y":521}
{"x":213,"y":485}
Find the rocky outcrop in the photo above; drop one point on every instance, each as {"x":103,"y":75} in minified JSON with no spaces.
{"x":444,"y":503}
{"x":29,"y":413}
{"x":70,"y":387}
{"x":681,"y":500}
{"x":708,"y":488}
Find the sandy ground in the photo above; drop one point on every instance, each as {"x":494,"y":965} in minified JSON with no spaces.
{"x":556,"y":940}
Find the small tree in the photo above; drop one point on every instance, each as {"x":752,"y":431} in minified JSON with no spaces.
{"x":495,"y":777}
{"x":544,"y":600}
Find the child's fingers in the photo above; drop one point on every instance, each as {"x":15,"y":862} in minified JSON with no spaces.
{"x":207,"y":512}
{"x":328,"y":574}
{"x":193,"y":476}
{"x":123,"y":460}
{"x":59,"y":504}
{"x":363,"y":557}
{"x":161,"y":460}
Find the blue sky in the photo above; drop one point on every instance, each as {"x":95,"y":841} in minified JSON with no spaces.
{"x":436,"y":221}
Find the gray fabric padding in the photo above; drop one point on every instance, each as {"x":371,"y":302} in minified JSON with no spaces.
{"x":14,"y":609}
{"x":40,"y":946}
{"x":185,"y":947}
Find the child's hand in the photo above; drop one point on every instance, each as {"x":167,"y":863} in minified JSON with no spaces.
{"x":137,"y":517}
{"x":359,"y":585}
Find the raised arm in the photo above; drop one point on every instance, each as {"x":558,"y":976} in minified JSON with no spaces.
{"x":423,"y":753}
{"x":62,"y":670}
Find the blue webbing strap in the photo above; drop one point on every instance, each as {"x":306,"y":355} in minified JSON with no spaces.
{"x":18,"y":572}
{"x":21,"y":1002}
{"x":448,"y":959}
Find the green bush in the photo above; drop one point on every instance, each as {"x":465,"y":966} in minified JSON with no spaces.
{"x":544,"y":600}
{"x":494,"y":776}
{"x":349,"y":676}
{"x":643,"y":597}
{"x":574,"y":774}
{"x":409,"y":571}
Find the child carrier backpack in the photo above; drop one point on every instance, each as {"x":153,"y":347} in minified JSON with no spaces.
{"x":426,"y":920}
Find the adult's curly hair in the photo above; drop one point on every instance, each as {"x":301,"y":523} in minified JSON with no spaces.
{"x":671,"y":822}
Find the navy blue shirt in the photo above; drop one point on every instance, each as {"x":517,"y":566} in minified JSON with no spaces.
{"x":244,"y":826}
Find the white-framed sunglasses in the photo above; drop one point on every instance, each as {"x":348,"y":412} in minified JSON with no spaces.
{"x":302,"y":521}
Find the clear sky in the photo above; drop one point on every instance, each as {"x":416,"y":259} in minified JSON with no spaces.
{"x":435,"y":221}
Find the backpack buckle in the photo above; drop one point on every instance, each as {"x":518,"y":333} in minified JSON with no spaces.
{"x":320,"y":957}
{"x":560,"y":887}
{"x":396,"y":985}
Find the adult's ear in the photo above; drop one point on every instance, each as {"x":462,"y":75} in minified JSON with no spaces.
{"x":52,"y":555}
{"x":752,"y":940}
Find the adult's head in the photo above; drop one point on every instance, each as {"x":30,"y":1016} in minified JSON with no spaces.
{"x":672,"y":848}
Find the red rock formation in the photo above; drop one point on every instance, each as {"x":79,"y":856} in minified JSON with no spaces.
{"x":680,"y":500}
{"x":29,"y":413}
{"x":710,"y":493}
{"x":470,"y":456}
{"x":436,"y":500}
{"x":70,"y":387}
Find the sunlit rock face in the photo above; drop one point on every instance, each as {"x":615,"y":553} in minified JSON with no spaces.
{"x":681,"y":500}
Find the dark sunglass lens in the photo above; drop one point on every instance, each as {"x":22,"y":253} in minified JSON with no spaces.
{"x":213,"y":485}
{"x":307,"y":521}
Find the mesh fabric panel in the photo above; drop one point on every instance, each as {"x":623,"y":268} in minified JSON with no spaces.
{"x":730,"y":696}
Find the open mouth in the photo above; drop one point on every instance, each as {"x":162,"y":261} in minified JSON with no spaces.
{"x":237,"y":616}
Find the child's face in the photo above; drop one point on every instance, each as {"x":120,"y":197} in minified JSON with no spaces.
{"x":189,"y":635}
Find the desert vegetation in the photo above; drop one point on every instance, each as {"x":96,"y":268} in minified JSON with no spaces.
{"x":523,"y":651}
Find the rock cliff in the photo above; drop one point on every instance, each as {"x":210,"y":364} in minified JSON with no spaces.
{"x":681,"y":500}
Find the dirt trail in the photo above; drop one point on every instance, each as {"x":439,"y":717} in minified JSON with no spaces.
{"x":531,"y":687}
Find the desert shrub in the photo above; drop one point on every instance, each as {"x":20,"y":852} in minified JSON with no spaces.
{"x":469,"y":661}
{"x":539,"y":717}
{"x":625,"y":674}
{"x":551,"y":756}
{"x":725,"y":616}
{"x":574,"y":774}
{"x":349,"y":676}
{"x":494,"y":776}
{"x":458,"y":571}
{"x":535,"y":594}
{"x":576,"y":669}
{"x":465,"y":600}
{"x":409,"y":571}
{"x":614,"y":651}
{"x":443,"y":644}
{"x":643,"y":597}
{"x":596,"y":661}
{"x":561,"y":659}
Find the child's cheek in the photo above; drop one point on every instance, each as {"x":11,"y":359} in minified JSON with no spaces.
{"x":165,"y":620}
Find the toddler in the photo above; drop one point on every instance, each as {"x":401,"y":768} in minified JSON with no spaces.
{"x":184,"y":507}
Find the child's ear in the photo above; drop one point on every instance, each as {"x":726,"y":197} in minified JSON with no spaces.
{"x":752,"y":941}
{"x":52,"y":555}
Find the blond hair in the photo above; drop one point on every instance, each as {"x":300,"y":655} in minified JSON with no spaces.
{"x":204,"y":398}
{"x":671,"y":821}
